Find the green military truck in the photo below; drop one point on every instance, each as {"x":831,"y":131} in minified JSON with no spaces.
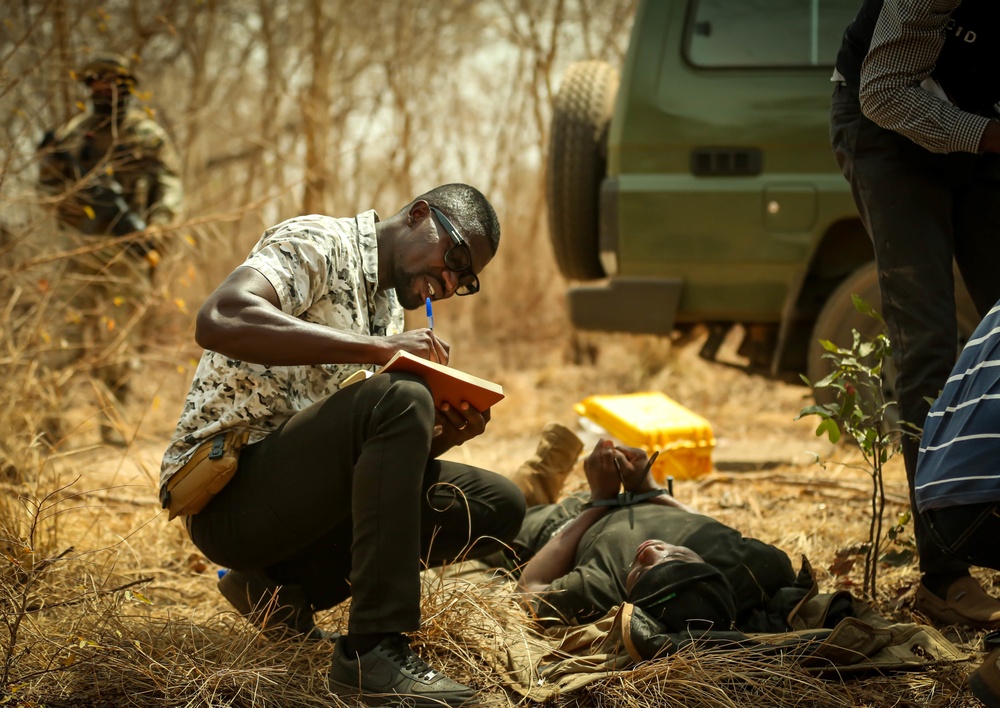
{"x":700,"y":186}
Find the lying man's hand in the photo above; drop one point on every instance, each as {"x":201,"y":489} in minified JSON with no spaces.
{"x":602,"y":468}
{"x":635,"y":477}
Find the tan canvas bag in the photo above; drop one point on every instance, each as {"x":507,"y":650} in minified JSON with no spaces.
{"x":213,"y":465}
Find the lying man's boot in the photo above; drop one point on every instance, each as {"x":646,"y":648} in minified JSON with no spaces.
{"x":965,"y":603}
{"x":985,"y":681}
{"x":391,"y":674}
{"x":279,"y":610}
{"x":541,"y":478}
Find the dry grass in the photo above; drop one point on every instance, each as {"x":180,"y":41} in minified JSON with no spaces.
{"x":107,"y":604}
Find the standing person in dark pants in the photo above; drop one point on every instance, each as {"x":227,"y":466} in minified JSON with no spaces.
{"x":339,"y":492}
{"x":914,"y":125}
{"x":957,"y":486}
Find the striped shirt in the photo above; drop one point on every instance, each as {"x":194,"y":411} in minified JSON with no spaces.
{"x":959,"y":460}
{"x":897,"y":91}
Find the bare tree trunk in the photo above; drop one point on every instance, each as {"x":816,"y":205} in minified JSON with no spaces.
{"x":62,"y":41}
{"x":315,"y":105}
{"x":399,"y":74}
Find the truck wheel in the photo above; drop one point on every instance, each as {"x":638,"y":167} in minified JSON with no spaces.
{"x":838,"y":318}
{"x":576,"y":165}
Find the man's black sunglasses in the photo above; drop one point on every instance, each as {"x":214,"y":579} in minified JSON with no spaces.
{"x":458,"y":258}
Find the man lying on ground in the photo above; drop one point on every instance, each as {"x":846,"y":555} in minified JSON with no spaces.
{"x":634,"y":542}
{"x":619,"y":578}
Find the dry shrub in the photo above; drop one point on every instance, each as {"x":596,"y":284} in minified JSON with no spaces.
{"x":30,"y":405}
{"x":463,"y":622}
{"x":83,"y":561}
{"x":80,"y":627}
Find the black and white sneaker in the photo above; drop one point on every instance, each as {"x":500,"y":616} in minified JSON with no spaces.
{"x":393,"y":674}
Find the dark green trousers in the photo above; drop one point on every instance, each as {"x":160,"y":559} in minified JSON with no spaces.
{"x":343,"y":500}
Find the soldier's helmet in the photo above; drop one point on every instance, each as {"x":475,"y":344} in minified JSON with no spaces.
{"x":105,"y":65}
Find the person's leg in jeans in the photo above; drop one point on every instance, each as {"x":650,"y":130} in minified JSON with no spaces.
{"x":906,"y":207}
{"x":968,"y":531}
{"x":466,"y":513}
{"x":339,"y":492}
{"x":977,"y":227}
{"x":943,"y":210}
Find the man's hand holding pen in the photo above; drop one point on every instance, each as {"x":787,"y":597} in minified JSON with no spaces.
{"x":440,"y":353}
{"x":452,"y":426}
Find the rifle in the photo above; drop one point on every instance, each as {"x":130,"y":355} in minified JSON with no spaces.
{"x":108,"y":212}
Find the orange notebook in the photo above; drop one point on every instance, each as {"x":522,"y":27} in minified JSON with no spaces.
{"x":447,"y":383}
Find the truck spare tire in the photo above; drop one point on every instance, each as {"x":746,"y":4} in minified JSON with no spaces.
{"x":576,"y":165}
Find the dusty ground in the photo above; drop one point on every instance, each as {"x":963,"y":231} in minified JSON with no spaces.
{"x":773,"y":478}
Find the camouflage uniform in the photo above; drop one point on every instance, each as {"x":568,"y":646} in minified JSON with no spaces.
{"x":132,"y":150}
{"x":112,"y":172}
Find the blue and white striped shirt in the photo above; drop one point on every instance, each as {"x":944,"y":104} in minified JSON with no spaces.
{"x":959,"y":459}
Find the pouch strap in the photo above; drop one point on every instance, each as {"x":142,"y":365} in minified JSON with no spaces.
{"x":218,"y":447}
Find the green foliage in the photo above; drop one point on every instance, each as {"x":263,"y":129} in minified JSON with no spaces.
{"x":860,"y":411}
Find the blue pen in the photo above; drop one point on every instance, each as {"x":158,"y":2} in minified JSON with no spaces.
{"x":430,"y":314}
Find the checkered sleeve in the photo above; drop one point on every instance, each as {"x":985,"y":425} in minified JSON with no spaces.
{"x":897,"y":92}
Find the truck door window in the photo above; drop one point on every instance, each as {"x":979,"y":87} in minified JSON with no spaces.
{"x":767,"y":33}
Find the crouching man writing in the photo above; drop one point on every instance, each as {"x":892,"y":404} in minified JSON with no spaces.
{"x":339,"y":493}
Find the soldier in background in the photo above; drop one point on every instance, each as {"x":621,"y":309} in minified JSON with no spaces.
{"x":111,"y":172}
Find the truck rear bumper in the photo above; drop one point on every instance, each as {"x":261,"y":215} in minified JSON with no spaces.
{"x":636,"y":305}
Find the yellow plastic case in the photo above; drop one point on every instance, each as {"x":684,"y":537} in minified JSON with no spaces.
{"x":654,"y":421}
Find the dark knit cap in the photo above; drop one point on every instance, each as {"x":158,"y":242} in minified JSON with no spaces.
{"x":679,"y":594}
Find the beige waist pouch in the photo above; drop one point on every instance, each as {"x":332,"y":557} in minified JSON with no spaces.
{"x":213,"y":465}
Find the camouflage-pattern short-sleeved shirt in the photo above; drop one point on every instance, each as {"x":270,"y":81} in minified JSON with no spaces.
{"x":325,"y":271}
